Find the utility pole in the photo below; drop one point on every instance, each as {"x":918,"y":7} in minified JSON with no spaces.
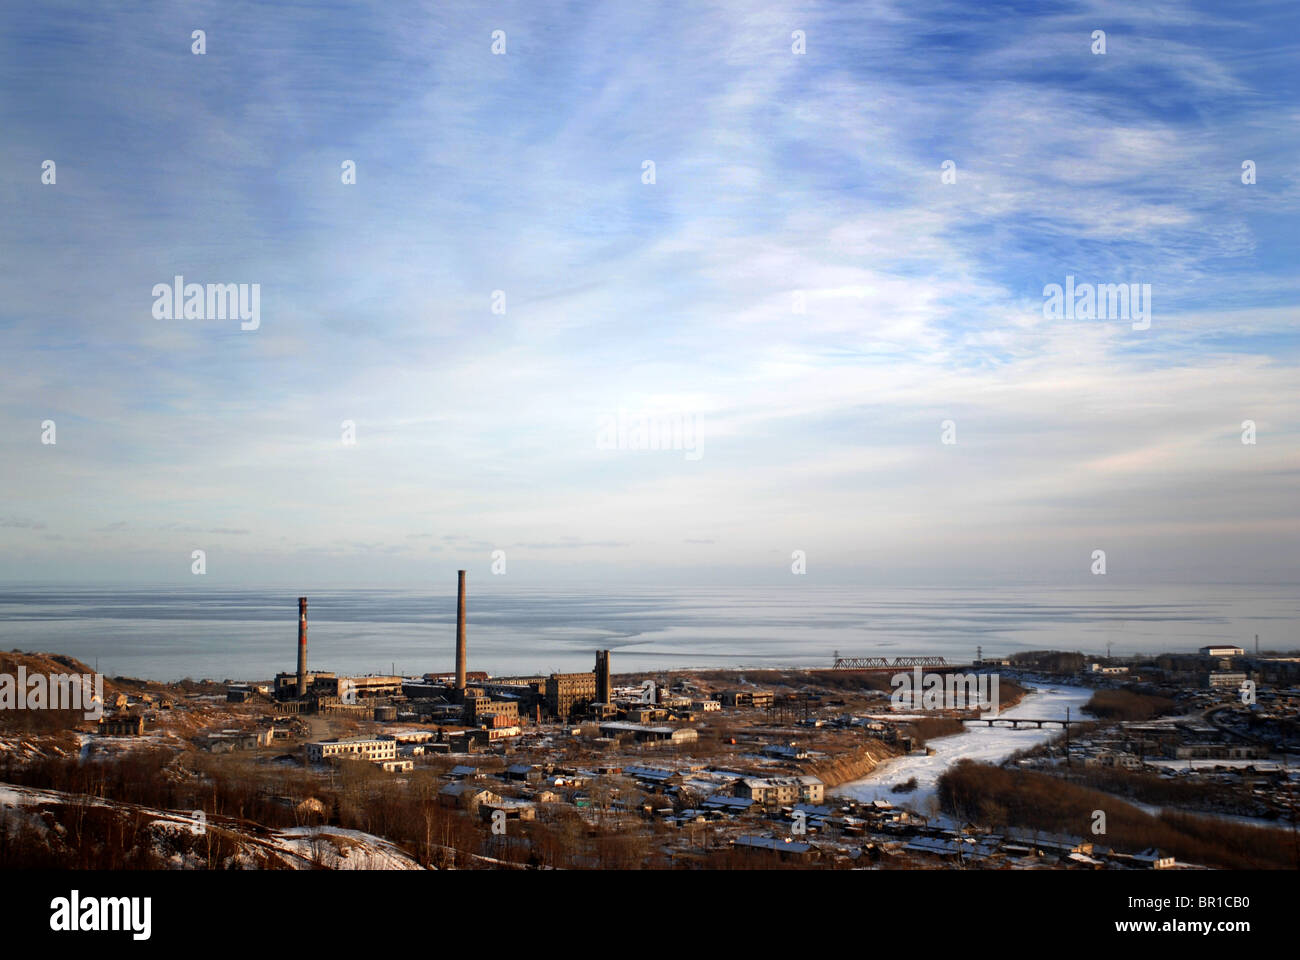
{"x":1290,"y":796}
{"x":1067,"y":736}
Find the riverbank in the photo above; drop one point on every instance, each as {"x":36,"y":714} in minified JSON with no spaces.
{"x":854,"y":764}
{"x":982,"y":744}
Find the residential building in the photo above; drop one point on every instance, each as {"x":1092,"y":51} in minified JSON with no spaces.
{"x":356,"y":747}
{"x":781,"y":790}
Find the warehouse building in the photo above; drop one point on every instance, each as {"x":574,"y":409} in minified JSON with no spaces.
{"x":647,"y":734}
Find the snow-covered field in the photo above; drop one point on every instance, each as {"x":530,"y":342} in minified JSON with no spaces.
{"x":984,"y":744}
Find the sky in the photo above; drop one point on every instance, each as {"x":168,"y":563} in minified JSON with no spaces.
{"x":837,"y":261}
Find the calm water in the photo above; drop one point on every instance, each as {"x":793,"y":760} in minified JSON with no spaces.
{"x":169,"y":633}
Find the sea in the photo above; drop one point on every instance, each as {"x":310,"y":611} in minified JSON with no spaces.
{"x":201,"y":632}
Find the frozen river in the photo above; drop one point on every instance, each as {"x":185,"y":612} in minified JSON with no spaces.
{"x":984,"y":744}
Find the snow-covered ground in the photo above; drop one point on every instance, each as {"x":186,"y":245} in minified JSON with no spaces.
{"x":980,"y":743}
{"x":294,"y":847}
{"x":340,"y":849}
{"x":1260,"y":765}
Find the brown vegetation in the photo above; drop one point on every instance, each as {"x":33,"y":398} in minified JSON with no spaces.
{"x":932,"y":728}
{"x":1123,"y":704}
{"x":1001,"y":798}
{"x":1049,"y":661}
{"x":1147,"y":787}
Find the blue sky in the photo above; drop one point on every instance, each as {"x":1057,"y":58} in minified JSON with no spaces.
{"x":774,"y":173}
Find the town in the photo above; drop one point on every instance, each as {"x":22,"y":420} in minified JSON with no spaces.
{"x":710,"y":768}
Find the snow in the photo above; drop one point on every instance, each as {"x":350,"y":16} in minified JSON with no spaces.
{"x":341,"y":849}
{"x":1227,"y":764}
{"x":300,"y":847}
{"x":978,"y":743}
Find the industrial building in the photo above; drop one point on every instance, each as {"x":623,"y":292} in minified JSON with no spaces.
{"x":228,"y":741}
{"x":1215,"y":651}
{"x":243,"y":692}
{"x":323,"y":691}
{"x":602,"y":676}
{"x":647,"y":734}
{"x":443,"y":679}
{"x":568,"y":693}
{"x":323,"y":682}
{"x":370,"y":687}
{"x":497,"y":707}
{"x":760,"y":699}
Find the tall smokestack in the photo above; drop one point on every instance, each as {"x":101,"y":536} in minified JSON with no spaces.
{"x":460,"y":629}
{"x":302,"y":646}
